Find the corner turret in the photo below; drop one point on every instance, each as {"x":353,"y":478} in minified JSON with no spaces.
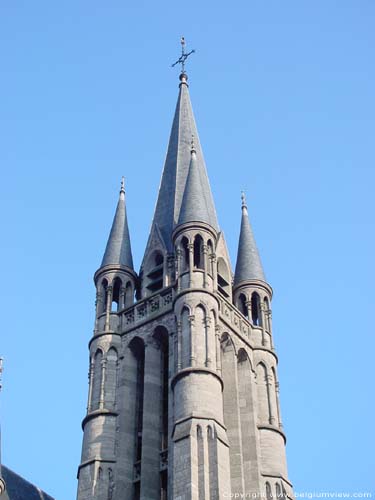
{"x":251,"y":293}
{"x":116,"y":279}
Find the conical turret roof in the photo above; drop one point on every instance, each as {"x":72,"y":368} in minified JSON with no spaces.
{"x":176,"y":169}
{"x":194,"y":207}
{"x":118,"y":249}
{"x":249,"y":266}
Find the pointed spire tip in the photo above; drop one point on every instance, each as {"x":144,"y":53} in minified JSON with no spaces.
{"x":243,"y":199}
{"x":122,"y":190}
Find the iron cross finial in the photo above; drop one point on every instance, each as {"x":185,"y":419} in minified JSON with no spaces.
{"x":183,"y":57}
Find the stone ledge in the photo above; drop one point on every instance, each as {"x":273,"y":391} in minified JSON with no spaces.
{"x":279,"y":476}
{"x":93,"y":460}
{"x":98,"y":413}
{"x":102,"y":334}
{"x":195,"y":369}
{"x":273,"y":428}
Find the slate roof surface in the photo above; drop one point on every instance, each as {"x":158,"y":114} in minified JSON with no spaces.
{"x":194,"y":206}
{"x":17,"y":488}
{"x":118,"y":249}
{"x":176,"y":168}
{"x":249,"y":266}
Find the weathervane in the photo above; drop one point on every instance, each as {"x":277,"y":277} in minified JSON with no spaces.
{"x":183,"y":56}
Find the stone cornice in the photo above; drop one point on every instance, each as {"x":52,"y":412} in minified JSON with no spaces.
{"x":272,"y":428}
{"x":98,"y":413}
{"x":194,"y":369}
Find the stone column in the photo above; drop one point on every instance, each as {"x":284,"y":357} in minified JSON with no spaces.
{"x":210,"y":342}
{"x":91,"y":376}
{"x":150,"y":471}
{"x":192,"y":340}
{"x":122,"y":298}
{"x":178,"y":268}
{"x":214,"y":271}
{"x":248,"y":307}
{"x":205,"y":281}
{"x":102,"y":384}
{"x":98,"y":305}
{"x":269,"y":314}
{"x":263,"y":323}
{"x":218,"y":348}
{"x":278,"y":404}
{"x":108,"y":308}
{"x":191,"y":263}
{"x":179,"y":345}
{"x":270,"y":390}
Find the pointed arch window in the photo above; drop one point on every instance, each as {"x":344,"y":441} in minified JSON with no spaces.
{"x":117,"y":284}
{"x":111,"y":378}
{"x":138,"y":349}
{"x":184,"y":246}
{"x":96,"y":380}
{"x":242,"y":306}
{"x":256,"y":316}
{"x":198,"y":252}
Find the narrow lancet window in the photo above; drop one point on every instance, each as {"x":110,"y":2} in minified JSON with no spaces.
{"x":117,"y":284}
{"x":198,"y":252}
{"x":242,"y":305}
{"x":256,"y":317}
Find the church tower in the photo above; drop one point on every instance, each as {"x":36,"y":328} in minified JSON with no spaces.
{"x":183,"y":391}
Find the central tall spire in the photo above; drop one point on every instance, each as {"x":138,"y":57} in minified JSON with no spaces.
{"x":176,"y":168}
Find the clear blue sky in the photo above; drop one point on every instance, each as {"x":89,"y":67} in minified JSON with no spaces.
{"x":283,"y":93}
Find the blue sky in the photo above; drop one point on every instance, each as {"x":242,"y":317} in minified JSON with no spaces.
{"x":283,"y":94}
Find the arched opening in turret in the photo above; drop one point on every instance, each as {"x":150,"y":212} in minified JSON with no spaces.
{"x":198,"y":252}
{"x":242,"y":305}
{"x":256,"y":316}
{"x":162,"y":338}
{"x":104,"y":295}
{"x":155,"y":272}
{"x":184,"y":247}
{"x":117,"y":284}
{"x":96,"y":380}
{"x":223,"y":278}
{"x":110,"y":384}
{"x":138,"y":350}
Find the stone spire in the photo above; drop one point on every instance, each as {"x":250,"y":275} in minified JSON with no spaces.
{"x":194,"y":206}
{"x":176,"y":169}
{"x":118,"y":250}
{"x":248,"y":266}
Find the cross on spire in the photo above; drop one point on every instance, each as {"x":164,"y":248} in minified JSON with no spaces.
{"x":183,"y":57}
